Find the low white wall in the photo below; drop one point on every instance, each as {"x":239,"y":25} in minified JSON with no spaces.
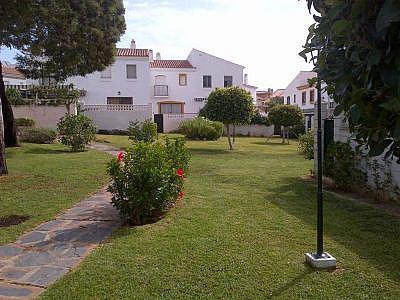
{"x":171,"y":122}
{"x":45,"y":116}
{"x":111,"y":117}
{"x":254,"y":130}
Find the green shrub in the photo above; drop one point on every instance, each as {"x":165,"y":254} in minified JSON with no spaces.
{"x":142,"y":131}
{"x":148,"y":179}
{"x":341,"y":165}
{"x":258,"y":119}
{"x":306,"y":144}
{"x":76,"y":131}
{"x":201,"y":129}
{"x":14,"y":96}
{"x":24,"y":122}
{"x":38,"y":135}
{"x":297,"y":130}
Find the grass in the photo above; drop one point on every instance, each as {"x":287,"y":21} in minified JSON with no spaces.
{"x":44,"y":180}
{"x":240,"y":233}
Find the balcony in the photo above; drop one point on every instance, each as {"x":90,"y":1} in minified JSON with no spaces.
{"x":160,"y":90}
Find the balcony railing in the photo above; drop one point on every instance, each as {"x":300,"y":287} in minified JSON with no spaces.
{"x":160,"y":90}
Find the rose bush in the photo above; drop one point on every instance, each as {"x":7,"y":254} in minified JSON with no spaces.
{"x":148,"y":179}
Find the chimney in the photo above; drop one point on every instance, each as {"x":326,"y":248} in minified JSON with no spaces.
{"x":158,"y":56}
{"x":246,"y":78}
{"x":133,"y":44}
{"x":151,"y":55}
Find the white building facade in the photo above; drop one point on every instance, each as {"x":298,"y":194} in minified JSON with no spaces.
{"x":300,"y":93}
{"x":169,"y":86}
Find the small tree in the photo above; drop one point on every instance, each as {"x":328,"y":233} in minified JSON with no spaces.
{"x":286,"y":116}
{"x":231,"y":106}
{"x":274,"y":102}
{"x":76,"y":132}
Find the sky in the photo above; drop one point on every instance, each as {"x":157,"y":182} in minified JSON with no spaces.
{"x":263,"y":35}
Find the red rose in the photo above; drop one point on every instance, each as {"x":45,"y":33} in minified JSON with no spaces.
{"x":181,"y":195}
{"x":180,"y":172}
{"x":120,"y":156}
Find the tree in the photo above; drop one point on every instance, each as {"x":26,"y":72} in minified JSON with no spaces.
{"x":3,"y":164}
{"x":58,"y":38}
{"x":358,"y":59}
{"x":286,"y":116}
{"x":231,"y":106}
{"x":274,"y":101}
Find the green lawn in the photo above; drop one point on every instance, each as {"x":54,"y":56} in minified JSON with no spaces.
{"x":241,"y":232}
{"x":45,"y":180}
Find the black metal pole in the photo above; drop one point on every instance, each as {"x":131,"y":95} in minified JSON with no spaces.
{"x":320,"y":218}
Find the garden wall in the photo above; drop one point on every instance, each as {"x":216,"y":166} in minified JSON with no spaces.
{"x":44,"y":115}
{"x":116,"y":116}
{"x":254,"y":130}
{"x":171,"y":122}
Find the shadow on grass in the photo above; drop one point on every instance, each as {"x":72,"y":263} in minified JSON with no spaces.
{"x":370,"y":233}
{"x":203,"y":151}
{"x":291,"y":283}
{"x":266,"y":143}
{"x":43,"y":150}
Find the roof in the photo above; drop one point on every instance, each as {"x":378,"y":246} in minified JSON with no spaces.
{"x":171,"y":64}
{"x":12,"y":72}
{"x":216,"y":57}
{"x":132,"y":52}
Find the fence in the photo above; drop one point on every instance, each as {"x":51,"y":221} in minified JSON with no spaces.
{"x":172,"y":121}
{"x":254,"y":130}
{"x":116,"y":116}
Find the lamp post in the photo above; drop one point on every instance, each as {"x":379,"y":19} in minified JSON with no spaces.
{"x":319,"y":259}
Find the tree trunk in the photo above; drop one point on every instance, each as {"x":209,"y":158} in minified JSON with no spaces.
{"x":228,"y":133}
{"x":283,"y":134}
{"x":10,"y":128}
{"x":234,"y":133}
{"x":3,"y":164}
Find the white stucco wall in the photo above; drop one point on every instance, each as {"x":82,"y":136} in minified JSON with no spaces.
{"x":45,"y":116}
{"x":98,"y":89}
{"x":13,"y":81}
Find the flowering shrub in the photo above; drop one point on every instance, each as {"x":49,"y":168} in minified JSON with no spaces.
{"x":306,"y":144}
{"x":76,"y":131}
{"x":148,"y":179}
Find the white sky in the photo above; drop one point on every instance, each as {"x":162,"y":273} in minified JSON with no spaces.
{"x":263,"y":35}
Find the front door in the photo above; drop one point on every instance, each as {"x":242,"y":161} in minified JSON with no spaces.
{"x":159,"y":120}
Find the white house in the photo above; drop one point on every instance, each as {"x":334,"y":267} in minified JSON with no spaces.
{"x":169,"y":86}
{"x":12,"y":76}
{"x":300,"y":93}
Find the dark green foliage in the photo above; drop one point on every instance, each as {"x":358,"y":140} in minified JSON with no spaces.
{"x":306,"y":144}
{"x":341,"y":164}
{"x":38,"y":135}
{"x":142,"y":131}
{"x":201,"y":129}
{"x":275,"y":101}
{"x":14,"y":96}
{"x":358,"y":44}
{"x":258,"y":119}
{"x":297,"y":130}
{"x":146,"y":181}
{"x":286,"y":116}
{"x":76,"y":132}
{"x":24,"y":122}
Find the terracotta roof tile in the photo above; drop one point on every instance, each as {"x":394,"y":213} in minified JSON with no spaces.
{"x":132,"y":52}
{"x":12,"y":73}
{"x":169,"y":64}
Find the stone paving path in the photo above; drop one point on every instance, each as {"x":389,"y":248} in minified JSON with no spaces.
{"x":40,"y":257}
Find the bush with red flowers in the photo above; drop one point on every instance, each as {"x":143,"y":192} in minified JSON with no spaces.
{"x":148,"y":179}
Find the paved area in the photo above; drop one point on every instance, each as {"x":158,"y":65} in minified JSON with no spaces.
{"x":40,"y":257}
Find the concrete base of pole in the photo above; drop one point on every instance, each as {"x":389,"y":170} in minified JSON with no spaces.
{"x":325,"y":261}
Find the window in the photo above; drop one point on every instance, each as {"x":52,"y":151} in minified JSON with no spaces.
{"x":288,"y":100}
{"x":294,"y":98}
{"x":182,"y":79}
{"x":120,"y":100}
{"x":131,"y":72}
{"x":207,"y":82}
{"x":171,"y":108}
{"x":228,"y":81}
{"x":304,"y":98}
{"x":312,"y":95}
{"x":106,"y":74}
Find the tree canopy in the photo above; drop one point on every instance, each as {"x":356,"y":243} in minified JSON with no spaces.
{"x":358,"y":50}
{"x":286,"y":116}
{"x":231,"y":106}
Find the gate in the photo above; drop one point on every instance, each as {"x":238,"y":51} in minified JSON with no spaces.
{"x":159,"y":120}
{"x":329,"y":131}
